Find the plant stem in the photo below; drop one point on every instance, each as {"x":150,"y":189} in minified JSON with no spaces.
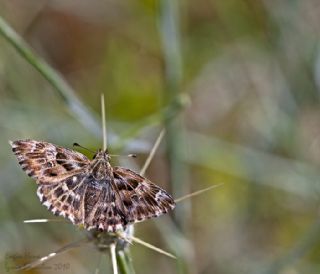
{"x":125,"y":262}
{"x":170,"y":37}
{"x":169,"y":30}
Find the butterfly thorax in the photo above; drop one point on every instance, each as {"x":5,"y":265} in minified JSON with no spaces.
{"x":100,"y":167}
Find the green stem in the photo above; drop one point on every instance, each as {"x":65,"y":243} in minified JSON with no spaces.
{"x":125,"y":262}
{"x":173,"y":75}
{"x":170,"y":37}
{"x":63,"y":89}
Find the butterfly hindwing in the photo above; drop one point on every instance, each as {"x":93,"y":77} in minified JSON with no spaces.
{"x":65,"y":198}
{"x":141,"y":198}
{"x":86,"y":202}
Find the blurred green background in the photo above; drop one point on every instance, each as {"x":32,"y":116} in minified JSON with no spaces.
{"x":236,"y":84}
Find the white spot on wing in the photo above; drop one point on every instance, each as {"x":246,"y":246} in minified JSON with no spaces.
{"x":64,"y":187}
{"x":39,"y":194}
{"x":71,"y":218}
{"x":119,"y":227}
{"x":47,"y":204}
{"x":90,"y":227}
{"x":158,"y":195}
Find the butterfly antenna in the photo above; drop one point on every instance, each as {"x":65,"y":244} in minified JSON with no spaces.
{"x":196,"y":193}
{"x":114,"y":258}
{"x":104,"y":127}
{"x":129,"y":155}
{"x":152,"y":152}
{"x":77,"y":145}
{"x":150,"y":246}
{"x":52,"y":255}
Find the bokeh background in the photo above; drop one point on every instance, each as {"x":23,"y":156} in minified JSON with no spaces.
{"x":237,"y":86}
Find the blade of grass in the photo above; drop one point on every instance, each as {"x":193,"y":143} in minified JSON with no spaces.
{"x":104,"y":127}
{"x":152,"y":153}
{"x":287,"y":174}
{"x":53,"y":254}
{"x":33,"y":221}
{"x":150,"y":246}
{"x":188,"y":196}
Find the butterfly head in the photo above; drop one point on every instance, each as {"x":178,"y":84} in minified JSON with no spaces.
{"x":102,"y":155}
{"x":100,"y":166}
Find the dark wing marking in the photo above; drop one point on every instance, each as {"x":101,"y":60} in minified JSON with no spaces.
{"x":107,"y":205}
{"x":47,"y":162}
{"x":84,"y":201}
{"x":140,"y":198}
{"x":65,"y":198}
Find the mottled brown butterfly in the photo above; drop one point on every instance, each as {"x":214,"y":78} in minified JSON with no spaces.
{"x":91,"y":193}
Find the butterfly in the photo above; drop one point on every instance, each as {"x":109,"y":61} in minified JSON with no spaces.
{"x":90,"y":193}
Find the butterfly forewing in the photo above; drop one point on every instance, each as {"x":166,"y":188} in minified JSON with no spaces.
{"x":90,"y":193}
{"x":47,"y":162}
